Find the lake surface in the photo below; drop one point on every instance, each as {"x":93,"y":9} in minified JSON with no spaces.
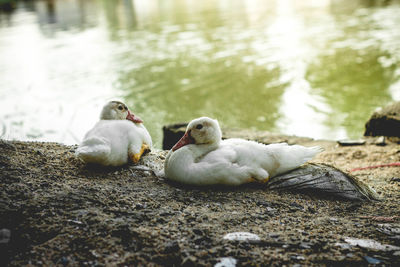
{"x":310,"y":68}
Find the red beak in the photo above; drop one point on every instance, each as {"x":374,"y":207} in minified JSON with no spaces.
{"x":185,"y":140}
{"x":133,"y":118}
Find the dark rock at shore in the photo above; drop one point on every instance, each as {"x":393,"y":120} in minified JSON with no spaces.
{"x":384,"y":122}
{"x":172,"y":133}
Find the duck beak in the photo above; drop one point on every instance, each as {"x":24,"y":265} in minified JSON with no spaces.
{"x":133,"y":117}
{"x":185,"y":140}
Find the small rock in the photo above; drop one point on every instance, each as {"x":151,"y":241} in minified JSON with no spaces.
{"x":381,"y":141}
{"x":269,"y":209}
{"x":390,"y":230}
{"x":273,"y":235}
{"x":343,"y":245}
{"x":334,"y":220}
{"x":371,"y":260}
{"x":171,"y":247}
{"x":395,"y":179}
{"x":305,"y":245}
{"x":351,"y":142}
{"x":242,"y":236}
{"x":297,"y":257}
{"x":226,"y":262}
{"x":75,"y":222}
{"x":295,"y":206}
{"x":369,"y":243}
{"x":95,"y":254}
{"x":359,"y":155}
{"x":5,"y":236}
{"x":140,"y":206}
{"x":64,"y":261}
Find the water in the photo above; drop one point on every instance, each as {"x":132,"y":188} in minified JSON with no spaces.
{"x":310,"y":68}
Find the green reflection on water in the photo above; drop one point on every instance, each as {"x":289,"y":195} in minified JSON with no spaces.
{"x":351,"y":84}
{"x":234,"y":94}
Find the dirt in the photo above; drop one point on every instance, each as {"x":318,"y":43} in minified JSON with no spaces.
{"x":60,"y":212}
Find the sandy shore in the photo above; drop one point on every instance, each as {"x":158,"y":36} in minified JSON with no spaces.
{"x":60,"y":212}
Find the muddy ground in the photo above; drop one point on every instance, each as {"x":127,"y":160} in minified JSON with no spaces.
{"x":61,"y":212}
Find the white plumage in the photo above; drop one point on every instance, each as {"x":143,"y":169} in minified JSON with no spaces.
{"x":202,"y":158}
{"x":118,"y":136}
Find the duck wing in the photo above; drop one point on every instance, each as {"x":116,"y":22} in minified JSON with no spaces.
{"x":94,"y":150}
{"x":271,"y":159}
{"x":217,"y":167}
{"x":323,"y":179}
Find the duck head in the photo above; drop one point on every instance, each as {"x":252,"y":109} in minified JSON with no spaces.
{"x":201,"y":131}
{"x":115,"y":110}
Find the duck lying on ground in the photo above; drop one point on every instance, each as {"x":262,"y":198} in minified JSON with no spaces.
{"x":202,"y":158}
{"x":118,"y":136}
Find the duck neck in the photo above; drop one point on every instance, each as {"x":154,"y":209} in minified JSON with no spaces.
{"x":204,"y":149}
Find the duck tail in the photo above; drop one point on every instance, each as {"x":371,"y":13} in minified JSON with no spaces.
{"x":301,"y":154}
{"x":310,"y":152}
{"x":291,"y":157}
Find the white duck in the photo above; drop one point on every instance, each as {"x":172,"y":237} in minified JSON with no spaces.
{"x":200,"y":157}
{"x":118,"y":136}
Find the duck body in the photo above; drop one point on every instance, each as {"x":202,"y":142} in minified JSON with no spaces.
{"x":112,"y":142}
{"x":202,"y":158}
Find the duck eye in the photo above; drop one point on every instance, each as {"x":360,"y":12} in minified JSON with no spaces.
{"x":120,"y":108}
{"x":199,"y":126}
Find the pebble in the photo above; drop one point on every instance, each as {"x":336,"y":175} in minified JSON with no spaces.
{"x":333,"y":220}
{"x":226,"y":262}
{"x":75,"y":222}
{"x":343,"y":245}
{"x":305,"y":245}
{"x":371,"y":260}
{"x":369,"y":243}
{"x":242,"y":236}
{"x":351,"y":142}
{"x":380,"y":141}
{"x":297,"y":257}
{"x":171,"y":247}
{"x":273,"y":235}
{"x":389,"y":229}
{"x":5,"y":236}
{"x":395,"y":179}
{"x":64,"y":261}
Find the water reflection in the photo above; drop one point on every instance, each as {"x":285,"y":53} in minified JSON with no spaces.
{"x":314,"y":68}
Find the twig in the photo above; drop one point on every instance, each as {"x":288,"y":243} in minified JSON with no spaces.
{"x":394,"y":164}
